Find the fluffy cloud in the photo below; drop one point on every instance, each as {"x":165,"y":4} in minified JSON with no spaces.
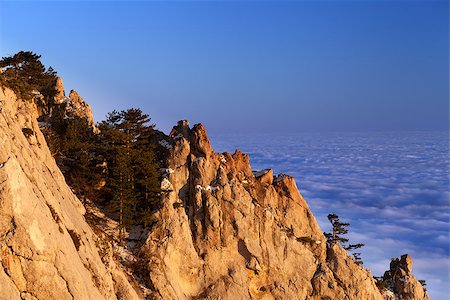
{"x":391,"y":188}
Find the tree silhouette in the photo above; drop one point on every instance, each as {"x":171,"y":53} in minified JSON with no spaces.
{"x":339,"y":229}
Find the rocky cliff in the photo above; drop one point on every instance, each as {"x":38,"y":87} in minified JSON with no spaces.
{"x":72,"y":106}
{"x":226,"y":232}
{"x":47,"y":250}
{"x":223,"y":232}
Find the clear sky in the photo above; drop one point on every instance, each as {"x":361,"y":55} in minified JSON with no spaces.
{"x":253,"y":66}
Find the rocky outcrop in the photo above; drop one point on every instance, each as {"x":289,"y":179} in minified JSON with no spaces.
{"x":60,"y":95}
{"x":47,"y":250}
{"x":399,"y":282}
{"x":73,"y":106}
{"x":225,"y":232}
{"x":77,"y":107}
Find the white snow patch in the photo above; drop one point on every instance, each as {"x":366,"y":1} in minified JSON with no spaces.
{"x":166,"y":185}
{"x":209,"y":188}
{"x":165,"y":144}
{"x":178,"y":136}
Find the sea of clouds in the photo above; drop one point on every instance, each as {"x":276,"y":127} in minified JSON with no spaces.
{"x":393,"y":189}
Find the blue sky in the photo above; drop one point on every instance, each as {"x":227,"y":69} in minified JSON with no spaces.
{"x":281,"y":67}
{"x":252,"y":66}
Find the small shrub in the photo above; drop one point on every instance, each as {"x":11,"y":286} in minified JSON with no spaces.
{"x":305,"y":239}
{"x":27,"y":132}
{"x":75,"y":238}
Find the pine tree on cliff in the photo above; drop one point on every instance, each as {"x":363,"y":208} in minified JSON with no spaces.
{"x":79,"y":144}
{"x":114,"y":142}
{"x":336,"y":236}
{"x":132,"y":171}
{"x":23,"y":73}
{"x":145,"y":175}
{"x":338,"y":230}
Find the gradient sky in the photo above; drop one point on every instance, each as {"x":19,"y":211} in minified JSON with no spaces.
{"x":247,"y":66}
{"x":280,"y":67}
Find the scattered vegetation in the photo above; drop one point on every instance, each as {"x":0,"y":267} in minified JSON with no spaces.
{"x":24,"y":73}
{"x":423,"y":283}
{"x":75,"y":238}
{"x":306,"y":240}
{"x":339,"y":229}
{"x":27,"y":132}
{"x":117,"y":169}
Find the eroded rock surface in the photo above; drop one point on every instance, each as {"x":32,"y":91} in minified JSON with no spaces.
{"x":47,"y":250}
{"x":77,"y":107}
{"x":400,"y":282}
{"x":225,"y":232}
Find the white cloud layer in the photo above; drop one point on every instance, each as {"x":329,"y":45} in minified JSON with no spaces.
{"x":391,"y":187}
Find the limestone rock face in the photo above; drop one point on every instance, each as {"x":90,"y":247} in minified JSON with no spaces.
{"x":47,"y":250}
{"x":401,"y":282}
{"x":225,"y":232}
{"x":59,"y":89}
{"x":77,"y":107}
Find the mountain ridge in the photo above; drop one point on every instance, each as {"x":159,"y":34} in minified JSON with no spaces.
{"x":222,"y":232}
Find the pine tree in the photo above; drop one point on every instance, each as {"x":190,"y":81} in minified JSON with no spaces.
{"x":338,"y":230}
{"x":133,"y":178}
{"x":336,"y":236}
{"x":23,"y":73}
{"x":79,"y":145}
{"x":354,"y":246}
{"x":357,"y":258}
{"x":114,"y":142}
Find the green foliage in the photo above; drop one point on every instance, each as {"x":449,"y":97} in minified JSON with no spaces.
{"x":354,"y":246}
{"x":132,"y":173}
{"x":338,"y":230}
{"x":357,"y":258}
{"x":423,"y":283}
{"x":336,"y":236}
{"x":79,"y":144}
{"x":306,"y":240}
{"x":74,"y":145}
{"x":24,"y":73}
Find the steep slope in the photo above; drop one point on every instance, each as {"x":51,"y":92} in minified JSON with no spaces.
{"x":226,"y":232}
{"x":48,"y":251}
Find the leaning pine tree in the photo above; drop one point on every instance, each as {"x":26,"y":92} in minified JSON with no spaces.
{"x":336,"y":236}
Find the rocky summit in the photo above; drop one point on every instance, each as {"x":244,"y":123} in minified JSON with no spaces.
{"x":223,"y":231}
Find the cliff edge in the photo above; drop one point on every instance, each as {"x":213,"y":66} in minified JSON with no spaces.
{"x":223,"y":232}
{"x":47,"y":250}
{"x":226,"y":232}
